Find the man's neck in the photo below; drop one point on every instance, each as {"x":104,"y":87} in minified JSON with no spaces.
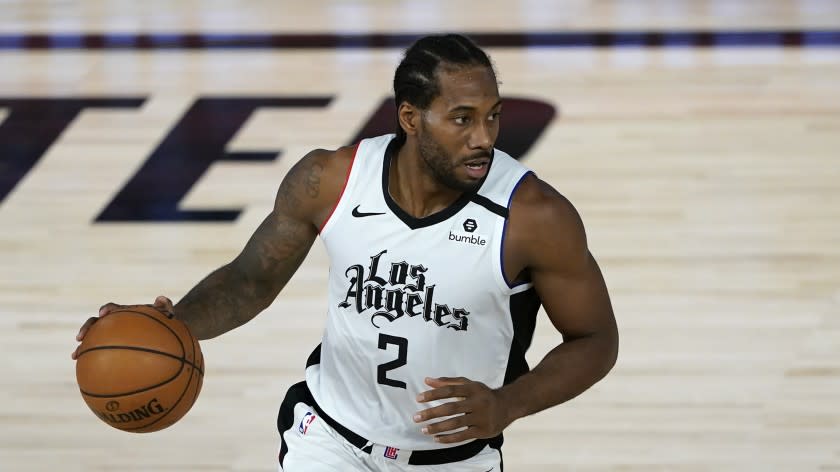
{"x":414,"y":187}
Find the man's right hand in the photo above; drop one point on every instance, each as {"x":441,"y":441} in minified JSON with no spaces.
{"x":161,"y":303}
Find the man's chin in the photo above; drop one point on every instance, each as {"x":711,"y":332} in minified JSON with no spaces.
{"x":467,"y":184}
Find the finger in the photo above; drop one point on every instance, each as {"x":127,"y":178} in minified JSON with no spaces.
{"x":446,"y":426}
{"x":460,"y":391}
{"x":164,"y":304}
{"x":442,"y":381}
{"x":108,"y":308}
{"x":75,"y":354}
{"x":447,"y":409}
{"x":85,"y":327}
{"x":469,"y":433}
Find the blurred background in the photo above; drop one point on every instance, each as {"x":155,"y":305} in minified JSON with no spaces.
{"x":141,"y":143}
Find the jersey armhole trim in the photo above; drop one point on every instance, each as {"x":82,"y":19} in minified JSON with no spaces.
{"x":490,"y":205}
{"x":520,"y":285}
{"x":343,"y":188}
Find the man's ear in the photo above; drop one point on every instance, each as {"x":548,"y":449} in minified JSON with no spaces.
{"x":409,"y":117}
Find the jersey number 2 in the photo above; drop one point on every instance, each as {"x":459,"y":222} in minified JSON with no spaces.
{"x":402,"y":351}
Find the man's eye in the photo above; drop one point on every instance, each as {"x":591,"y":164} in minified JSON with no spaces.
{"x":495,"y":116}
{"x":462,"y":120}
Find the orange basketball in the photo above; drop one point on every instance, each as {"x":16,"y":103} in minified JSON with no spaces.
{"x":139,"y":370}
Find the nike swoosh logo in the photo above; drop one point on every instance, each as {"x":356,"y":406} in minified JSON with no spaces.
{"x":359,"y":214}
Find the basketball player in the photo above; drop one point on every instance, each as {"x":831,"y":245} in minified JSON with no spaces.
{"x":442,"y":250}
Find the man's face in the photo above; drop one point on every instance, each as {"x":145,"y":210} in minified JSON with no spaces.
{"x":458,"y":130}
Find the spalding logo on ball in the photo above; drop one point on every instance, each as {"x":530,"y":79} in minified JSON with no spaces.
{"x":139,"y":370}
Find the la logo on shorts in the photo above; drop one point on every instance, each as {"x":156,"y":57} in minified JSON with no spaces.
{"x":307,"y":420}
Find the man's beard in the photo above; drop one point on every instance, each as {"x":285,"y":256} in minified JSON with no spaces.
{"x":443,"y":166}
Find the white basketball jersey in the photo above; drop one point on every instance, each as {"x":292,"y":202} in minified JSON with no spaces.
{"x":411,"y":298}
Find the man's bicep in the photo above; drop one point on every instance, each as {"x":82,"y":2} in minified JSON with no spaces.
{"x":277,"y":248}
{"x":283,"y":239}
{"x":564,"y":272}
{"x":577,"y":302}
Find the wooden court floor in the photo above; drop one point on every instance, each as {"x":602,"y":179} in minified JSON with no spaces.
{"x":706,"y":169}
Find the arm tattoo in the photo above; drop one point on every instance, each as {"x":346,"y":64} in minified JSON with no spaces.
{"x":313,"y":180}
{"x":235,"y":293}
{"x":303,"y":179}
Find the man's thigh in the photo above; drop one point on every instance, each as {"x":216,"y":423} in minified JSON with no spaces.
{"x":310,"y":445}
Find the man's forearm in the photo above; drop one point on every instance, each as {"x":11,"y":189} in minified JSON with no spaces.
{"x":224,"y":300}
{"x":564,"y":373}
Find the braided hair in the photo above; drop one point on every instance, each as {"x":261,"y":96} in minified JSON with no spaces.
{"x":415,"y":81}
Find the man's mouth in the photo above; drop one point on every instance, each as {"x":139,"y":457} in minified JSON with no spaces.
{"x":477,"y":168}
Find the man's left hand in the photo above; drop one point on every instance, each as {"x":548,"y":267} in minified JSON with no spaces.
{"x":478,"y":408}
